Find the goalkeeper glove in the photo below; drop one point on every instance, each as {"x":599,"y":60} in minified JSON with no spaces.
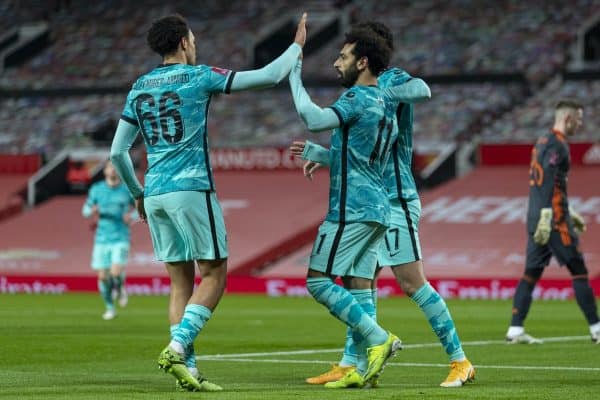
{"x":578,"y":221}
{"x":544,"y":227}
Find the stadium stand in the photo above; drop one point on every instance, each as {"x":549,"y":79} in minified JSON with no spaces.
{"x":533,"y":118}
{"x":495,"y":70}
{"x":463,"y":36}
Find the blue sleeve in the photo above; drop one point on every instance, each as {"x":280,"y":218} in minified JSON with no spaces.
{"x":316,"y":118}
{"x":128,"y":113}
{"x":119,"y":155}
{"x":90,"y":201}
{"x":412,"y":91}
{"x":269,"y":75}
{"x":316,"y":153}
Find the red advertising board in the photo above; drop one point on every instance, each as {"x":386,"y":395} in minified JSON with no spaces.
{"x":520,"y":154}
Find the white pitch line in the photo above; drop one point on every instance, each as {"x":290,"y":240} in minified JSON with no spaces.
{"x":404,"y":346}
{"x":426,"y":365}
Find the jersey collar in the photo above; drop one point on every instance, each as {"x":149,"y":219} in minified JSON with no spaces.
{"x":559,"y":135}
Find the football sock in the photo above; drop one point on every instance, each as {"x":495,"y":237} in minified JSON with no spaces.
{"x":344,"y":307}
{"x":194,"y":319}
{"x":116,"y":282}
{"x":105,"y":289}
{"x":374,"y":295}
{"x":438,"y":315}
{"x":521,"y":302}
{"x":190,"y":355}
{"x":585,"y":299}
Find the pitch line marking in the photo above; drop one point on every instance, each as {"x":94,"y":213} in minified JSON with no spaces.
{"x":404,"y":346}
{"x":426,"y":365}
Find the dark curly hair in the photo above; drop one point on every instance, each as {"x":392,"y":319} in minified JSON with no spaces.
{"x":380,"y":29}
{"x":370,"y":45}
{"x":165,"y":34}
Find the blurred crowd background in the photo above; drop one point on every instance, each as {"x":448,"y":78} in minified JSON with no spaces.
{"x":495,"y":68}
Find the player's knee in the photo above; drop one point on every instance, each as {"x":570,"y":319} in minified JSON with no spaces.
{"x":409,"y":288}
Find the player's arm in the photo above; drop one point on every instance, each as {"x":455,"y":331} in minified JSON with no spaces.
{"x":274,"y":72}
{"x":316,"y":118}
{"x":548,"y":166}
{"x":119,"y":155}
{"x":310,"y":151}
{"x":89,"y":207}
{"x":414,"y":90}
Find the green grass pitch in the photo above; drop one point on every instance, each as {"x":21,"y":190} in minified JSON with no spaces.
{"x":58,"y":347}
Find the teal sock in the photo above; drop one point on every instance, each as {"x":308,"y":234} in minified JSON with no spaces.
{"x":438,"y":315}
{"x":105,"y":289}
{"x":364,"y":297}
{"x":194,"y":318}
{"x":350,"y":357}
{"x":116,"y":282}
{"x":190,"y":354}
{"x":342,"y":305}
{"x":374,"y":294}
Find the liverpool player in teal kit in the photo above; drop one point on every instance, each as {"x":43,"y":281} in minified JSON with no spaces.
{"x":110,"y":202}
{"x":358,"y":215}
{"x":169,"y":106}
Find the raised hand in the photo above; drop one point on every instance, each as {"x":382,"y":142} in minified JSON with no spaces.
{"x":297,"y":148}
{"x":301,"y":31}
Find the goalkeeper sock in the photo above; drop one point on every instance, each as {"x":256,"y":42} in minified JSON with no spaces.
{"x":586,"y":300}
{"x":521,"y":302}
{"x":435,"y":309}
{"x":344,"y":307}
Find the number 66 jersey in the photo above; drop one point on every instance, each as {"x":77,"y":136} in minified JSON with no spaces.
{"x":170,"y":107}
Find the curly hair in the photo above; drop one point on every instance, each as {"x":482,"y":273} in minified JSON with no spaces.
{"x":370,"y":45}
{"x":380,"y":29}
{"x":165,"y":34}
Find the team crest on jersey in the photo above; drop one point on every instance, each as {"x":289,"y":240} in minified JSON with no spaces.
{"x":221,"y":71}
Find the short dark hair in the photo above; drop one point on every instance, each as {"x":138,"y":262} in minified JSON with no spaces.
{"x":370,"y":45}
{"x":569,"y":103}
{"x":165,"y":34}
{"x":379,"y":28}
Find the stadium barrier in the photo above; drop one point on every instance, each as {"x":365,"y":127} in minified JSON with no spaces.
{"x":488,"y":289}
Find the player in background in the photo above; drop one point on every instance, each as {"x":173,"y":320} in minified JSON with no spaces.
{"x":348,"y":239}
{"x":111,"y":203}
{"x":552,"y":225}
{"x":401,"y":246}
{"x":169,"y":106}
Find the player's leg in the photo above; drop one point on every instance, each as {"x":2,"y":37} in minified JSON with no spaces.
{"x":567,"y":254}
{"x":199,"y":233}
{"x":537,"y":258}
{"x":119,"y":256}
{"x":402,"y":250}
{"x":101,"y":264}
{"x":349,"y":250}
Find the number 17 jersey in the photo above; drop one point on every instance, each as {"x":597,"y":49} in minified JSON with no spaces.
{"x":170,"y":106}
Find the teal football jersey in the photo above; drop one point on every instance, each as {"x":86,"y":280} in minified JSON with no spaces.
{"x":113,"y":203}
{"x":358,"y":154}
{"x":170,"y":106}
{"x":398,"y":176}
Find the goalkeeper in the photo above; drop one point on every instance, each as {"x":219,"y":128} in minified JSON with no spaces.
{"x":553,"y":227}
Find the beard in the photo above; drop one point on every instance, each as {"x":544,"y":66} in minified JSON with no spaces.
{"x":349,"y":78}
